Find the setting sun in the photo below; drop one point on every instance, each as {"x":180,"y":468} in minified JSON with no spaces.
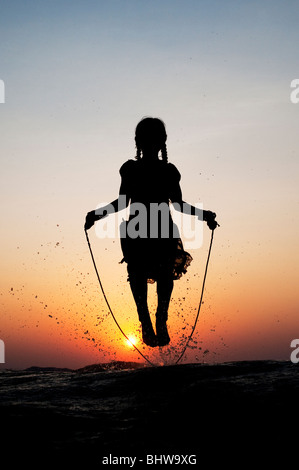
{"x":131,"y":341}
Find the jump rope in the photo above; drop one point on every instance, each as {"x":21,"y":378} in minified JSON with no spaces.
{"x":114,"y":317}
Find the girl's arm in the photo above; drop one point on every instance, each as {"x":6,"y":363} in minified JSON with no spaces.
{"x":117,"y":205}
{"x":186,"y":208}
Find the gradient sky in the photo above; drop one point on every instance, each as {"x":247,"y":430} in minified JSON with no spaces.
{"x":78,"y":77}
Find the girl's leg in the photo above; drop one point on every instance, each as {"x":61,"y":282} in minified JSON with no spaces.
{"x":138,"y":283}
{"x":164,"y":291}
{"x":138,"y":286}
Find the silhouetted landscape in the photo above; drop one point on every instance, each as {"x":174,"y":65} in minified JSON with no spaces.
{"x":232,"y":413}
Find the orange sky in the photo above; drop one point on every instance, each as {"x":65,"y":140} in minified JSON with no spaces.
{"x":223,"y":90}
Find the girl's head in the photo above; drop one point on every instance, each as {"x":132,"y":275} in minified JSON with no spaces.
{"x":150,"y":135}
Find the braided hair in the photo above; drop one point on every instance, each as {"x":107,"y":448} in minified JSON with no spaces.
{"x":149,"y":131}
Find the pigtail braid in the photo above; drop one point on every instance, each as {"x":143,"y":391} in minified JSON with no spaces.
{"x":164,"y":153}
{"x":138,"y":154}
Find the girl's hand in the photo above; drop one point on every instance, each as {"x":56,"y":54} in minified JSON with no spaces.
{"x":90,"y":220}
{"x":210,"y":218}
{"x":92,"y":217}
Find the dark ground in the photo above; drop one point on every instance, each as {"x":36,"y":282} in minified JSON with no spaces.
{"x":238,"y":414}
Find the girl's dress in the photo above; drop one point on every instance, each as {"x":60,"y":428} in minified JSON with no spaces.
{"x":157,"y":250}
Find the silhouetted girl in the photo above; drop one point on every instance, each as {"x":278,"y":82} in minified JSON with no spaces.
{"x":156,"y":254}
